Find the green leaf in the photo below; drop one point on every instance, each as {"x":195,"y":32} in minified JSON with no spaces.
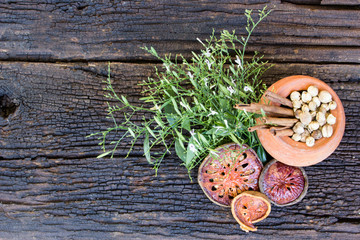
{"x":174,"y":89}
{"x":175,"y":74}
{"x":180,"y":136}
{"x":164,"y":79}
{"x":196,"y":56}
{"x":196,"y":102}
{"x":194,"y":83}
{"x":180,"y":149}
{"x":233,"y":70}
{"x":190,"y":155}
{"x":175,"y":106}
{"x":167,"y":93}
{"x":261,"y":153}
{"x":203,"y":139}
{"x":131,"y":132}
{"x":224,"y":103}
{"x":104,"y":154}
{"x":168,"y":107}
{"x":147,"y":148}
{"x":186,"y":124}
{"x":232,"y":136}
{"x":217,"y":131}
{"x":125,"y":100}
{"x":242,"y":94}
{"x":153,"y":52}
{"x":202,"y":107}
{"x":159,"y":121}
{"x":225,"y":79}
{"x":224,"y":90}
{"x":150,"y":131}
{"x":172,"y":119}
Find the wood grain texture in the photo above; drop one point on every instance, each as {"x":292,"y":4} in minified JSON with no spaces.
{"x":64,"y":30}
{"x":341,"y":2}
{"x":53,"y":59}
{"x":53,"y":187}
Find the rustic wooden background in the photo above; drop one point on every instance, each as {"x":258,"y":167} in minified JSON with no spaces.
{"x":53,"y":59}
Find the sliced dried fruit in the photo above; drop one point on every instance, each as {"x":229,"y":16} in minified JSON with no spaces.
{"x":228,"y":171}
{"x":250,"y":207}
{"x":284,"y":185}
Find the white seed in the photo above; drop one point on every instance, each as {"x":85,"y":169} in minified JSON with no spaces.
{"x":306,"y":97}
{"x":295,"y":96}
{"x":314,"y":125}
{"x":312,"y":106}
{"x":296,"y":137}
{"x":298,"y":128}
{"x":326,"y":106}
{"x":322,"y":109}
{"x":327,"y":131}
{"x":296,"y":104}
{"x":332,"y":105}
{"x":310,"y":141}
{"x":297,"y":113}
{"x":305,"y":118}
{"x":313,"y":91}
{"x":320,"y":117}
{"x":316,"y":100}
{"x":305,"y":108}
{"x":331,"y":119}
{"x":325,"y":96}
{"x":322,"y":123}
{"x":304,"y":135}
{"x":316,"y":134}
{"x":313,"y":114}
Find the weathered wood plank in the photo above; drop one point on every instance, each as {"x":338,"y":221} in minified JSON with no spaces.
{"x":53,"y":187}
{"x":341,"y":2}
{"x":302,"y":2}
{"x":326,"y":2}
{"x":63,"y":30}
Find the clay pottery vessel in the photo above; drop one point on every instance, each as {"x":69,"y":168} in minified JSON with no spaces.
{"x":293,"y":153}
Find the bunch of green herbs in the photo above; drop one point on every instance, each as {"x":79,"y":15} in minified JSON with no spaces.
{"x":192,"y":102}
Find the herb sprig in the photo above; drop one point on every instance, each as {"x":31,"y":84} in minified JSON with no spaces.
{"x":193,"y":101}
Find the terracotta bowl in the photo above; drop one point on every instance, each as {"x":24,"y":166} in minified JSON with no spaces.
{"x":293,"y":153}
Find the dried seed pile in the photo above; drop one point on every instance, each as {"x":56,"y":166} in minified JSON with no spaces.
{"x":313,"y":109}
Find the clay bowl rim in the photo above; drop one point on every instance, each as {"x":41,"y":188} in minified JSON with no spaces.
{"x":293,"y":153}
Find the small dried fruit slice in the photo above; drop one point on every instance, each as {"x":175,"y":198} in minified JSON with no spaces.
{"x":228,"y":171}
{"x":284,"y":185}
{"x":250,"y":207}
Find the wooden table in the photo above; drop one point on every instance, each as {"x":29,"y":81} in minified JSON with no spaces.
{"x":54,"y":56}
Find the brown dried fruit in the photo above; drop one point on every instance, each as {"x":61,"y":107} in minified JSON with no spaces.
{"x":284,"y":185}
{"x":250,"y":207}
{"x":232,"y":169}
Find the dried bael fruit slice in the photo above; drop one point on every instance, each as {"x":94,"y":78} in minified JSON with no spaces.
{"x":250,"y":207}
{"x":284,"y":185}
{"x":228,"y":171}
